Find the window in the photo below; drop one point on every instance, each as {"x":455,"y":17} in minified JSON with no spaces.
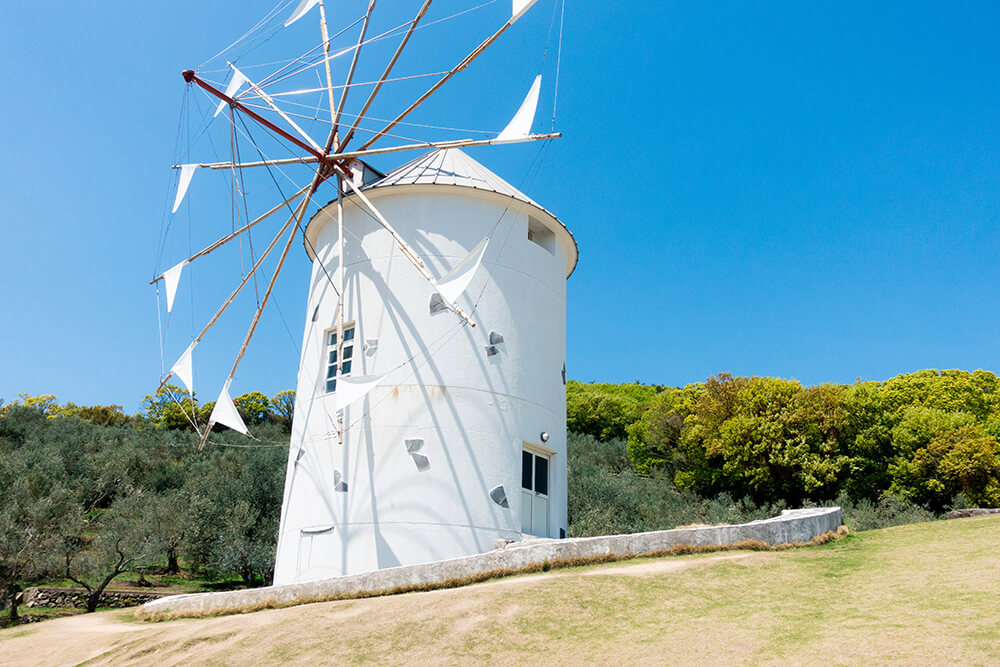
{"x":331,"y":356}
{"x":541,"y":235}
{"x":534,"y":494}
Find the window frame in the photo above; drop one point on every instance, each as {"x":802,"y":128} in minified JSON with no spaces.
{"x":337,"y":364}
{"x":537,"y":452}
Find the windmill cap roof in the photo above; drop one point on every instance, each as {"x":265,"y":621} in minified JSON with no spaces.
{"x":451,"y":166}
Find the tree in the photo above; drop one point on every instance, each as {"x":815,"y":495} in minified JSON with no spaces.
{"x":283,"y":404}
{"x":101,"y":415}
{"x":605,"y":410}
{"x":169,"y":515}
{"x":254,"y":407}
{"x":29,"y":513}
{"x":96,"y":554}
{"x":654,"y":440}
{"x":236,"y":500}
{"x":766,"y":437}
{"x":171,"y":407}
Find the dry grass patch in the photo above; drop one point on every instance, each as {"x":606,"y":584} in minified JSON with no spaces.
{"x":915,"y":594}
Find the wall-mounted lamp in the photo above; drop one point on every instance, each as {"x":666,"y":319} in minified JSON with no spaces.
{"x":544,"y":436}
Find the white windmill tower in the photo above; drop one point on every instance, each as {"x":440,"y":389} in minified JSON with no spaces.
{"x":418,"y":435}
{"x":462,"y":441}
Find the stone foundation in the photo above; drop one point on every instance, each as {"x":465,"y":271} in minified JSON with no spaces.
{"x":75,"y":597}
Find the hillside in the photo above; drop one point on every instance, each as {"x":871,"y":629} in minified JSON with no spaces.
{"x":918,"y":593}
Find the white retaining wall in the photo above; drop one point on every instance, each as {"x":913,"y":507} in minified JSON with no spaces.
{"x":799,"y":525}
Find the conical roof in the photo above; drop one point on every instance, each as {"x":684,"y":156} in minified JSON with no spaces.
{"x":450,"y":166}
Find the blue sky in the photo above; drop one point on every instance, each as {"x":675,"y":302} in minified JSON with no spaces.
{"x":804,"y":190}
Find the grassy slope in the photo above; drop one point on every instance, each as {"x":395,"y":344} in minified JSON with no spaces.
{"x":924,"y":593}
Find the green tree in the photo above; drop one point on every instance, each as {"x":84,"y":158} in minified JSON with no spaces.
{"x":168,"y":516}
{"x":605,"y":410}
{"x":283,"y":404}
{"x":254,"y":407}
{"x":654,"y":440}
{"x":767,"y":437}
{"x":171,"y":407}
{"x":30,"y":510}
{"x":97,"y":551}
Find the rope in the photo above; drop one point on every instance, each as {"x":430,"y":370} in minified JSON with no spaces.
{"x":298,"y":226}
{"x":385,"y":35}
{"x":257,"y":26}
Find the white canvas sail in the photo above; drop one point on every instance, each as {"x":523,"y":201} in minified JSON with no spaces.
{"x":301,"y":11}
{"x":171,"y":277}
{"x":453,"y":284}
{"x":520,"y":126}
{"x":225,"y":412}
{"x":353,"y":389}
{"x":187,"y":171}
{"x":234,"y":85}
{"x":519,"y":7}
{"x":183,"y":369}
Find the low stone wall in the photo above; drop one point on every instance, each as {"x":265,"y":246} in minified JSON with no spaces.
{"x":800,"y":525}
{"x":75,"y":597}
{"x":974,"y":511}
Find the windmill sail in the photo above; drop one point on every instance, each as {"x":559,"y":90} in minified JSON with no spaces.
{"x":519,"y":7}
{"x":353,"y":389}
{"x":171,"y":277}
{"x":234,"y":85}
{"x":182,"y":368}
{"x":225,"y":413}
{"x":301,"y":11}
{"x":453,"y":284}
{"x":520,"y":126}
{"x":187,"y":171}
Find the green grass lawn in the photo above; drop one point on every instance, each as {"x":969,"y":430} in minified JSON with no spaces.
{"x":923,"y":593}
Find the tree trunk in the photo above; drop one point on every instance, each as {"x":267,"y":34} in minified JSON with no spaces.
{"x":172,"y":566}
{"x":93,"y":599}
{"x":14,"y":618}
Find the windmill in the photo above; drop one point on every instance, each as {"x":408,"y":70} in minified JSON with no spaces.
{"x":431,"y":378}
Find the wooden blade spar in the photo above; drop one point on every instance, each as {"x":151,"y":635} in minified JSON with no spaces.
{"x":350,"y":155}
{"x":386,"y":71}
{"x":476,"y":52}
{"x":232,"y":296}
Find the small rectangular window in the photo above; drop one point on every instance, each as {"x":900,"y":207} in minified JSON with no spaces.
{"x":332,"y":369}
{"x":541,"y":235}
{"x":534,"y":473}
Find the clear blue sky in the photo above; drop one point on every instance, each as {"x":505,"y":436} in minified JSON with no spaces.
{"x":796,"y":189}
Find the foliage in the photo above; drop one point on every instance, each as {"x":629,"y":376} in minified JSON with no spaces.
{"x":89,"y":501}
{"x":97,"y":550}
{"x":605,"y":410}
{"x":283,"y":407}
{"x":172,"y":407}
{"x":773,"y":439}
{"x":90,"y":493}
{"x":888,"y":511}
{"x":30,"y":509}
{"x":606,"y":497}
{"x":254,"y":407}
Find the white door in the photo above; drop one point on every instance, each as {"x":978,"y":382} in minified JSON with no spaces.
{"x":534,"y":494}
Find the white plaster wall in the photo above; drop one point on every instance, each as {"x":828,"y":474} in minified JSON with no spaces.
{"x":473,"y":412}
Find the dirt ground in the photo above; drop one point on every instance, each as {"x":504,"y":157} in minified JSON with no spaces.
{"x":114,"y":637}
{"x":921,"y":594}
